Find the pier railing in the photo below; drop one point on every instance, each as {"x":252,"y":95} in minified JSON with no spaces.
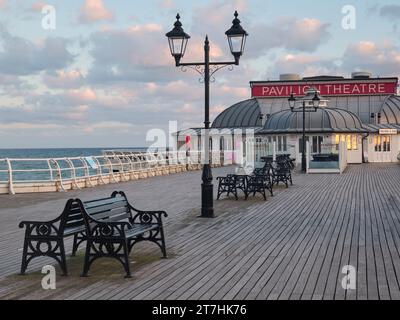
{"x":62,"y":174}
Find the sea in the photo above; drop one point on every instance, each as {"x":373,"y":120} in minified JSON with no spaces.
{"x":58,"y":152}
{"x":45,"y":153}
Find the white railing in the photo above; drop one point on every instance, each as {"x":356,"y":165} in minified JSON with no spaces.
{"x":61,"y":174}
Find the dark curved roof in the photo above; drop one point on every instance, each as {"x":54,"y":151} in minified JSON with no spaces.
{"x":323,"y":120}
{"x":241,"y":115}
{"x":390,"y":112}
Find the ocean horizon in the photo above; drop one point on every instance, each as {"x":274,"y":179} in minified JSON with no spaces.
{"x":34,"y":153}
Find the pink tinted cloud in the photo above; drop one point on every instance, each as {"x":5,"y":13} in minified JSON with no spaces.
{"x":64,"y":79}
{"x":303,"y":64}
{"x":37,"y":6}
{"x":81,"y":96}
{"x":3,"y":4}
{"x":94,"y":11}
{"x":379,"y":58}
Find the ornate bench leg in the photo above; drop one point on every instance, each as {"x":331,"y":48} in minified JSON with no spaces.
{"x":163,"y":248}
{"x":31,"y":250}
{"x":63,"y":260}
{"x":86,"y":265}
{"x":24,"y":263}
{"x":219,"y":191}
{"x":75,"y":246}
{"x":126,"y":258}
{"x":78,"y":239}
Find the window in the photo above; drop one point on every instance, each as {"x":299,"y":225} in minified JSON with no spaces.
{"x":337,"y":139}
{"x":316,"y":146}
{"x":279,"y":143}
{"x":350,"y":140}
{"x":284,"y":143}
{"x":354,"y":145}
{"x":382,"y":143}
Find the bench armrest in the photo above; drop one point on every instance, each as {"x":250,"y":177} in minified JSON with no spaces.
{"x":148,"y":217}
{"x":108,"y":229}
{"x":40,"y":228}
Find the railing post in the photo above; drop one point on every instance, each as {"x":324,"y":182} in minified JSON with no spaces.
{"x":59,"y":173}
{"x":10,"y":178}
{"x":99,"y":170}
{"x":73,"y":173}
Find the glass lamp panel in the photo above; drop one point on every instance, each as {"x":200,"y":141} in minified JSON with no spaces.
{"x":235,"y":43}
{"x":176,"y":45}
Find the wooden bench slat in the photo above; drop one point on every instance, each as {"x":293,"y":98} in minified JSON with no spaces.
{"x":74,"y":230}
{"x":109,"y":213}
{"x":96,"y":203}
{"x":75,"y":223}
{"x":93,"y":211}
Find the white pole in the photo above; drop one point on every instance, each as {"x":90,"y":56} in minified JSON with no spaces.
{"x":10,"y":178}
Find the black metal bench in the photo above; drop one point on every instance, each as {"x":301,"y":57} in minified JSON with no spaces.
{"x":113,"y":227}
{"x":227,"y":185}
{"x":260,"y":181}
{"x":110,"y":227}
{"x":282,"y":173}
{"x":46,"y":238}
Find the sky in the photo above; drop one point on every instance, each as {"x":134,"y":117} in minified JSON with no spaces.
{"x":104,"y":76}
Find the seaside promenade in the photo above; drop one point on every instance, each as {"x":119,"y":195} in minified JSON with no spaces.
{"x":292,"y":246}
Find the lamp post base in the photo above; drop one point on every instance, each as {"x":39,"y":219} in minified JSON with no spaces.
{"x":207,"y":193}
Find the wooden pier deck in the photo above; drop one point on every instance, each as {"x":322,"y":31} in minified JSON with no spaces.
{"x":292,"y":246}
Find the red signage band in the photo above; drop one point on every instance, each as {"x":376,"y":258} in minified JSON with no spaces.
{"x":326,"y":89}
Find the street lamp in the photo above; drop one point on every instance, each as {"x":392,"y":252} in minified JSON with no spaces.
{"x":310,"y":103}
{"x":178,"y":40}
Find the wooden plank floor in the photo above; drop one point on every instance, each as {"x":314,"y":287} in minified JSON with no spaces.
{"x":292,"y":246}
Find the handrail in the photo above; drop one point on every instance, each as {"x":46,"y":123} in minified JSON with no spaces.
{"x":73,"y":171}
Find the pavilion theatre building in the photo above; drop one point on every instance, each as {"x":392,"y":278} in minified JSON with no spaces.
{"x":361,"y":111}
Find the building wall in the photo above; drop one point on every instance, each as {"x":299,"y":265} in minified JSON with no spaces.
{"x":381,"y":155}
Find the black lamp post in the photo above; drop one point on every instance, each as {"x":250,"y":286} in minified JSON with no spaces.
{"x":178,"y":40}
{"x":310,"y":103}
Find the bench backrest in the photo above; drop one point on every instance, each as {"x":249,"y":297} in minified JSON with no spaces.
{"x":115,"y":208}
{"x":72,"y":219}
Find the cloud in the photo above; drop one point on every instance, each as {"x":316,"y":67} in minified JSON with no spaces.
{"x":18,"y":126}
{"x":3,"y":4}
{"x":145,"y":56}
{"x":37,"y":6}
{"x":62,"y":79}
{"x":383,"y":59}
{"x":94,"y":11}
{"x":168,"y":4}
{"x":290,"y":33}
{"x":390,"y":11}
{"x":302,"y":64}
{"x":104,"y":125}
{"x":21,"y":57}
